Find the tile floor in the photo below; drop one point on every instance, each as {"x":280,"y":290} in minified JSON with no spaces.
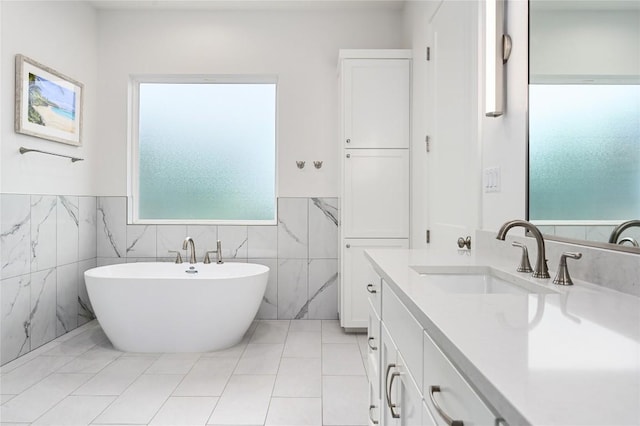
{"x":291,"y":373}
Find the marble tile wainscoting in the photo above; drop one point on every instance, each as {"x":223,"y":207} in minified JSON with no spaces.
{"x":46,"y":244}
{"x":616,"y":270}
{"x":301,"y":251}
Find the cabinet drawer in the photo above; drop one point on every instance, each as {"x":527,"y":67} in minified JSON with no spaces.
{"x":406,"y":332}
{"x":446,"y":391}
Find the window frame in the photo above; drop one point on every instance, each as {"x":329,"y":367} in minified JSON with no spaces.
{"x":133,"y":177}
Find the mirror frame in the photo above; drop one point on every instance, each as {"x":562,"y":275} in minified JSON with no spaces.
{"x":596,"y":244}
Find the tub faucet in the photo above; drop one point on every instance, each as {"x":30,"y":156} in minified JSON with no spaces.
{"x":613,"y":238}
{"x":541,"y":270}
{"x":188,"y":243}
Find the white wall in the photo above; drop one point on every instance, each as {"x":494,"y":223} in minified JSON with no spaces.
{"x":301,"y":47}
{"x":504,"y":139}
{"x":60,"y":35}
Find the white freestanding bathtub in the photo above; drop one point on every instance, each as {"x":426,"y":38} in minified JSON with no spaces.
{"x":160,"y":307}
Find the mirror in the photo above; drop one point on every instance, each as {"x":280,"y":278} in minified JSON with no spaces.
{"x":584,"y":121}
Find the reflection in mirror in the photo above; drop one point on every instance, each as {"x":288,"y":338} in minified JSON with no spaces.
{"x":584,"y":120}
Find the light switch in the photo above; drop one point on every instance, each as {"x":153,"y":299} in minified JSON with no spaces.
{"x":491,"y":179}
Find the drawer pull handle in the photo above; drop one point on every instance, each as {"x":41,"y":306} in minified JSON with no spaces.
{"x":388,"y":389}
{"x":371,"y":289}
{"x":375,"y":422}
{"x":448,"y":420}
{"x":369,"y":342}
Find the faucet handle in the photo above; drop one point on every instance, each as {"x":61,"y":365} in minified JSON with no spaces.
{"x":178,"y":255}
{"x":562,"y":277}
{"x":207,"y":259}
{"x":525,"y":265}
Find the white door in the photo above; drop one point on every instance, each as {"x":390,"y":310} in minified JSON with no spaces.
{"x":453,"y":162}
{"x":356,"y":274}
{"x":376,"y":193}
{"x":376,"y":103}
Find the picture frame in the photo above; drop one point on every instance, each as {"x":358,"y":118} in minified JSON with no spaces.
{"x":48,"y":104}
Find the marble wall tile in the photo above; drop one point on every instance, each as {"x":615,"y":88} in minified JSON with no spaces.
{"x":323,"y":228}
{"x":205,"y":238}
{"x":68,"y":228}
{"x":616,"y":270}
{"x":599,"y":233}
{"x":170,"y":237}
{"x":293,"y":289}
{"x":15,"y":235}
{"x":269,"y":307}
{"x":293,"y":228}
{"x":66,"y":298}
{"x":87,"y":236}
{"x":323,"y":289}
{"x":234,"y":242}
{"x":43,"y":232}
{"x":104,"y":261}
{"x":111,"y":218}
{"x":141,"y":241}
{"x":85,"y":310}
{"x":43,"y":307}
{"x":576,"y":232}
{"x":262,"y":242}
{"x":15,"y":302}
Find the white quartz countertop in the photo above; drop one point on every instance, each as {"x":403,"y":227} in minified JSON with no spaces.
{"x":570,"y":356}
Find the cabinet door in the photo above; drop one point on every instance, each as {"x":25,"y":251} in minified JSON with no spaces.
{"x":376,"y":193}
{"x":356,"y":274}
{"x":388,"y":360}
{"x":409,"y":397}
{"x":376,"y":96}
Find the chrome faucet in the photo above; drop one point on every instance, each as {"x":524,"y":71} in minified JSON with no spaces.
{"x":541,"y":270}
{"x":615,"y":234}
{"x":218,"y":253}
{"x":188,"y":242}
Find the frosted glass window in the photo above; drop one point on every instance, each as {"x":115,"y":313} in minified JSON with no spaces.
{"x":584,"y":152}
{"x":206,"y":152}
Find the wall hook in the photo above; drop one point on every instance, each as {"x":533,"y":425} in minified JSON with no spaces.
{"x":317,"y":164}
{"x":300,"y":164}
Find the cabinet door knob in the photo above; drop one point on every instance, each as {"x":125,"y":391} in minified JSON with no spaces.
{"x":370,"y":344}
{"x":348,"y":246}
{"x":348,"y":140}
{"x":348,"y":155}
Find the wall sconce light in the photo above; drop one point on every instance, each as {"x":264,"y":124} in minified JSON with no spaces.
{"x":497,"y":52}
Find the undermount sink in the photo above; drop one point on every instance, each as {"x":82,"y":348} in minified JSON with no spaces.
{"x":477,"y":280}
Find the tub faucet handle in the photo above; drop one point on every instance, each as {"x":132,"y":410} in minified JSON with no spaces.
{"x":178,"y":255}
{"x":525,"y":265}
{"x":562,"y":277}
{"x":207,"y":259}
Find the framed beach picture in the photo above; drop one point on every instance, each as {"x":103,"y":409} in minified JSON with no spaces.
{"x":48,"y":103}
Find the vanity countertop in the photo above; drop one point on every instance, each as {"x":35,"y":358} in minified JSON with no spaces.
{"x":567,"y":357}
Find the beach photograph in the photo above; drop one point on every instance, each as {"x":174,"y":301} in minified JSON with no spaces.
{"x":51,"y":105}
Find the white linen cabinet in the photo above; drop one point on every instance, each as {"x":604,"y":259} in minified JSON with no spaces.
{"x":375,"y":88}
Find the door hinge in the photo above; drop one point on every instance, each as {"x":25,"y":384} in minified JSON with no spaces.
{"x":428,"y":53}
{"x":427,"y":141}
{"x":428,"y":236}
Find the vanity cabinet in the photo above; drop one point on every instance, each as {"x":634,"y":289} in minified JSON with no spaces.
{"x":375,"y":90}
{"x":414,"y":383}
